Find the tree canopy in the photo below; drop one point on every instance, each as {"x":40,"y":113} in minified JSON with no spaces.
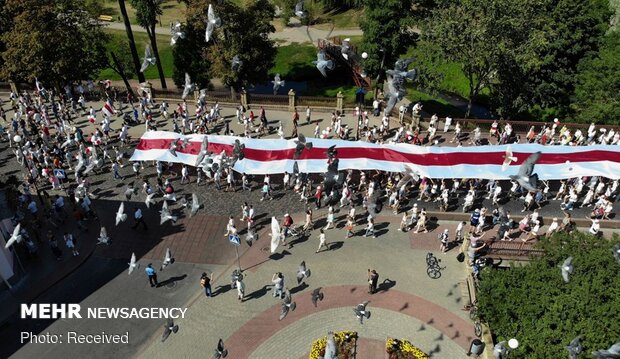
{"x":53,"y":40}
{"x":147,"y":12}
{"x":597,"y":92}
{"x":234,"y":38}
{"x":533,"y":304}
{"x":388,"y":33}
{"x":526,"y":52}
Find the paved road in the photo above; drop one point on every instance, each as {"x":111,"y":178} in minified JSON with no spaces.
{"x":103,"y":282}
{"x":397,"y":256}
{"x":286,"y":36}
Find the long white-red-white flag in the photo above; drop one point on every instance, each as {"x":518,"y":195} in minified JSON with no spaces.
{"x":272,"y":156}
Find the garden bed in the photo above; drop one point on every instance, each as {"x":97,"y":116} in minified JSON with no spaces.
{"x":346,"y":342}
{"x":403,"y":349}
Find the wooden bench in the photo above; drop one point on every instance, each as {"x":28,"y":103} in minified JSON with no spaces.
{"x":105,"y":18}
{"x":513,"y":250}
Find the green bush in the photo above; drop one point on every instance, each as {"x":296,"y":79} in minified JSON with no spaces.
{"x":533,"y":304}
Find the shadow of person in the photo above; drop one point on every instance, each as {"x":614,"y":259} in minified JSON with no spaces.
{"x":299,"y":288}
{"x":221,"y":290}
{"x":386,"y":285}
{"x":278,"y":256}
{"x":335,"y":245}
{"x":257,"y":293}
{"x":171,"y":280}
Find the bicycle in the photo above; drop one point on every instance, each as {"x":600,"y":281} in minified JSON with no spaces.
{"x":297,"y":231}
{"x":433,"y":269}
{"x":475,"y":317}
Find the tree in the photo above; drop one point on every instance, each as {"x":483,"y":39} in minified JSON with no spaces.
{"x":467,"y":32}
{"x":597,"y":91}
{"x":525,"y":51}
{"x":132,"y":42}
{"x":53,"y":40}
{"x":533,"y":304}
{"x":189,"y":56}
{"x":387,"y":27}
{"x":235,"y":38}
{"x":147,"y":12}
{"x":572,"y":30}
{"x":121,"y":61}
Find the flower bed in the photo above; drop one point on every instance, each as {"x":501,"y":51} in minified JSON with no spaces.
{"x":403,"y":349}
{"x":345,"y":342}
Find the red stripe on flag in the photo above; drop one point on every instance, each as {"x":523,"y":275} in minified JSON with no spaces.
{"x":385,"y":154}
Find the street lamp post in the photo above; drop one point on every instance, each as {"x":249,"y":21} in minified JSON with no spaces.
{"x":380,"y":71}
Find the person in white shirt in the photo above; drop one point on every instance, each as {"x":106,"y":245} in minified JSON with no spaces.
{"x":458,"y":234}
{"x":184,"y":174}
{"x":553,"y":227}
{"x":330,"y":218}
{"x":308,"y":114}
{"x":447,"y":124}
{"x":401,"y":113}
{"x":322,"y":242}
{"x":375,"y":107}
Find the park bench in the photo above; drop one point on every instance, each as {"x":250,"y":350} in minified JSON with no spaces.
{"x":515,"y":250}
{"x":105,"y":18}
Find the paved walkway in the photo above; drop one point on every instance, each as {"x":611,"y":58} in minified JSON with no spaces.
{"x":395,"y":255}
{"x":252,"y":329}
{"x":287,"y":36}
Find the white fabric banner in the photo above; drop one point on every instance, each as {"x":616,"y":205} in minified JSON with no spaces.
{"x":272,"y":156}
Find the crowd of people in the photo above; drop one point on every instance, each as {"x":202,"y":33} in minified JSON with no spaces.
{"x":57,"y":155}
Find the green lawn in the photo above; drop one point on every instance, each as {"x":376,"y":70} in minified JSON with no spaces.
{"x":294,"y":62}
{"x":348,"y":19}
{"x":165,"y":55}
{"x":172,"y":10}
{"x":433,"y":104}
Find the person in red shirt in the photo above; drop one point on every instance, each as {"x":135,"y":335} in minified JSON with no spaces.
{"x":317,"y":196}
{"x":287,"y":222}
{"x":252,"y":117}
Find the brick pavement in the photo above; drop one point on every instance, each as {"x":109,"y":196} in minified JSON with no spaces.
{"x":342,"y":267}
{"x":262,"y":327}
{"x":390,"y":253}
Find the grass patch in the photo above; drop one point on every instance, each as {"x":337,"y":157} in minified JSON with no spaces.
{"x":433,"y":104}
{"x":172,"y":10}
{"x":141,"y":39}
{"x":320,"y":87}
{"x":294,"y":62}
{"x":348,"y":19}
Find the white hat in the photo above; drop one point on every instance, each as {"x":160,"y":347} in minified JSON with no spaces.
{"x":555,"y":219}
{"x":445,"y":230}
{"x":556,"y":120}
{"x":286,"y":215}
{"x":477,"y":210}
